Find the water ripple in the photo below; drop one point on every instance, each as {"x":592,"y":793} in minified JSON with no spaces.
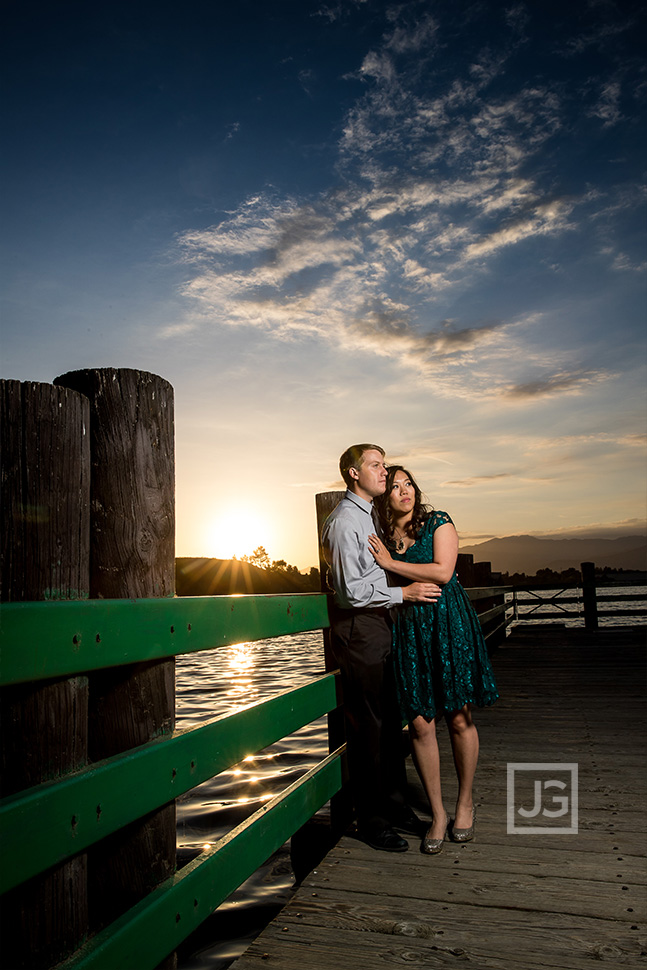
{"x":223,"y":681}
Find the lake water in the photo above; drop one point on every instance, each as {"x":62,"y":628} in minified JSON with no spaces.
{"x":553,"y":597}
{"x":226,"y":680}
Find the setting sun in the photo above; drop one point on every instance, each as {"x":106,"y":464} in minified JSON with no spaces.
{"x":236,"y":535}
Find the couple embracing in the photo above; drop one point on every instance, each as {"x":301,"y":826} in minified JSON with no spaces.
{"x":408,"y":644}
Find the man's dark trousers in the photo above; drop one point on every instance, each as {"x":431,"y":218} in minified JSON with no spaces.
{"x":361,"y":644}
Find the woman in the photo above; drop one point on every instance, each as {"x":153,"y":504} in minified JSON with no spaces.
{"x":440,"y":657}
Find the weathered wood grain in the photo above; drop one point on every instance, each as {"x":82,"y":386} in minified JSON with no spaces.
{"x":132,"y":538}
{"x":44,"y":555}
{"x":365,"y":941}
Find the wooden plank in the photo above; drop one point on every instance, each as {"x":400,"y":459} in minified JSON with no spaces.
{"x":510,"y":857}
{"x":441,"y":881}
{"x":363,"y":934}
{"x":505,"y":901}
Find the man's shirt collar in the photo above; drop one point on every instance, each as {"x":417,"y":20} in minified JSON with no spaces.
{"x":359,"y":501}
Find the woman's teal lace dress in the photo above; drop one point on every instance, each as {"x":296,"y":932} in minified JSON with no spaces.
{"x":441,"y":661}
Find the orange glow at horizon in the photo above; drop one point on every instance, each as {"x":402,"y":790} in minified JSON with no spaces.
{"x":237,"y":535}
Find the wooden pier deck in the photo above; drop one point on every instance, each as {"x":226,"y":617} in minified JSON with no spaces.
{"x":505,"y":901}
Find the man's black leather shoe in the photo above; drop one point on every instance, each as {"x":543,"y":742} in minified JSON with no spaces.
{"x":387,"y":840}
{"x":407,"y":821}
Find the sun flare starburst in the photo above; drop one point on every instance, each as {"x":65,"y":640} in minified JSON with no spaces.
{"x":236,"y":535}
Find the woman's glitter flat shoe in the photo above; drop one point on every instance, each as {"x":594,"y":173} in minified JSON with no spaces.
{"x":434,"y":846}
{"x":464,"y":835}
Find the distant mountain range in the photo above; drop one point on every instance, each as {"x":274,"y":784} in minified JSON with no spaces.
{"x":511,"y":554}
{"x":527,"y":554}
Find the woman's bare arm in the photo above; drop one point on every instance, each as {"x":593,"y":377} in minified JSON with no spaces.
{"x":440,"y":570}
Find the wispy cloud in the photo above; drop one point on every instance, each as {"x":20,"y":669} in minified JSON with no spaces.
{"x":608,"y":105}
{"x":598,"y":36}
{"x":435,"y":189}
{"x":552,"y":385}
{"x":477,"y":480}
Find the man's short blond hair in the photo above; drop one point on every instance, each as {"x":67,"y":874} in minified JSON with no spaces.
{"x":353,"y":457}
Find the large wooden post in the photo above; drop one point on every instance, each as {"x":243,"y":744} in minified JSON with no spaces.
{"x":132,"y":555}
{"x":589,"y":596}
{"x":465,"y":569}
{"x":44,"y":493}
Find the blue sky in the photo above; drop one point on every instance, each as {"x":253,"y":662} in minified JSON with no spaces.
{"x":418,"y":223}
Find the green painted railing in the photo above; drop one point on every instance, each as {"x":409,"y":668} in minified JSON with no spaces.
{"x":61,"y":639}
{"x":45,"y":825}
{"x":159,"y":923}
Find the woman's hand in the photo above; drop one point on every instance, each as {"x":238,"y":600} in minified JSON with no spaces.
{"x":380,"y":552}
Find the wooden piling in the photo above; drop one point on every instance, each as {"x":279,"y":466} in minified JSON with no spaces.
{"x":589,"y":596}
{"x":465,"y":569}
{"x":482,"y":573}
{"x":131,"y":556}
{"x":45,"y":530}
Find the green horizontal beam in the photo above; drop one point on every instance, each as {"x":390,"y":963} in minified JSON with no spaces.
{"x":39,"y":641}
{"x":50,"y":822}
{"x":157,"y":925}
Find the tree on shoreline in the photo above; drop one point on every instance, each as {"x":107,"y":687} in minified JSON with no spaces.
{"x":572,"y":577}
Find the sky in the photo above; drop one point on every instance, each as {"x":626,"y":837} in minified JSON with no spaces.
{"x":419,"y":224}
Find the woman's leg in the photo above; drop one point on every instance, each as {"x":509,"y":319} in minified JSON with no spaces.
{"x":426,"y":758}
{"x":465,"y":747}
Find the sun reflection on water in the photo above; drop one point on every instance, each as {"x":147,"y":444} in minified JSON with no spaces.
{"x":241,"y":658}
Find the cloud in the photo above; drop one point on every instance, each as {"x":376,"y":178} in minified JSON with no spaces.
{"x":477,"y":480}
{"x":405,"y":39}
{"x":607,"y":107}
{"x":599,"y":35}
{"x":599,"y":530}
{"x":625,"y":264}
{"x":379,"y":66}
{"x":438,"y":183}
{"x":549,"y":218}
{"x":232,"y":130}
{"x":551,"y":385}
{"x":337,"y":11}
{"x":607,"y":441}
{"x":323,"y":268}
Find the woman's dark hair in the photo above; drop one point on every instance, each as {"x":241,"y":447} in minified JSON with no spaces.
{"x":421,"y":511}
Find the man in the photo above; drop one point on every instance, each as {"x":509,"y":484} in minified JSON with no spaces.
{"x":361,"y":643}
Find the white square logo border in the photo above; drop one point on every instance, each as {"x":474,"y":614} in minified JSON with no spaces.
{"x":541,"y":769}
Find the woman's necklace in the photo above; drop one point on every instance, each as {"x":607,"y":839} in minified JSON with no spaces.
{"x":399,"y":545}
